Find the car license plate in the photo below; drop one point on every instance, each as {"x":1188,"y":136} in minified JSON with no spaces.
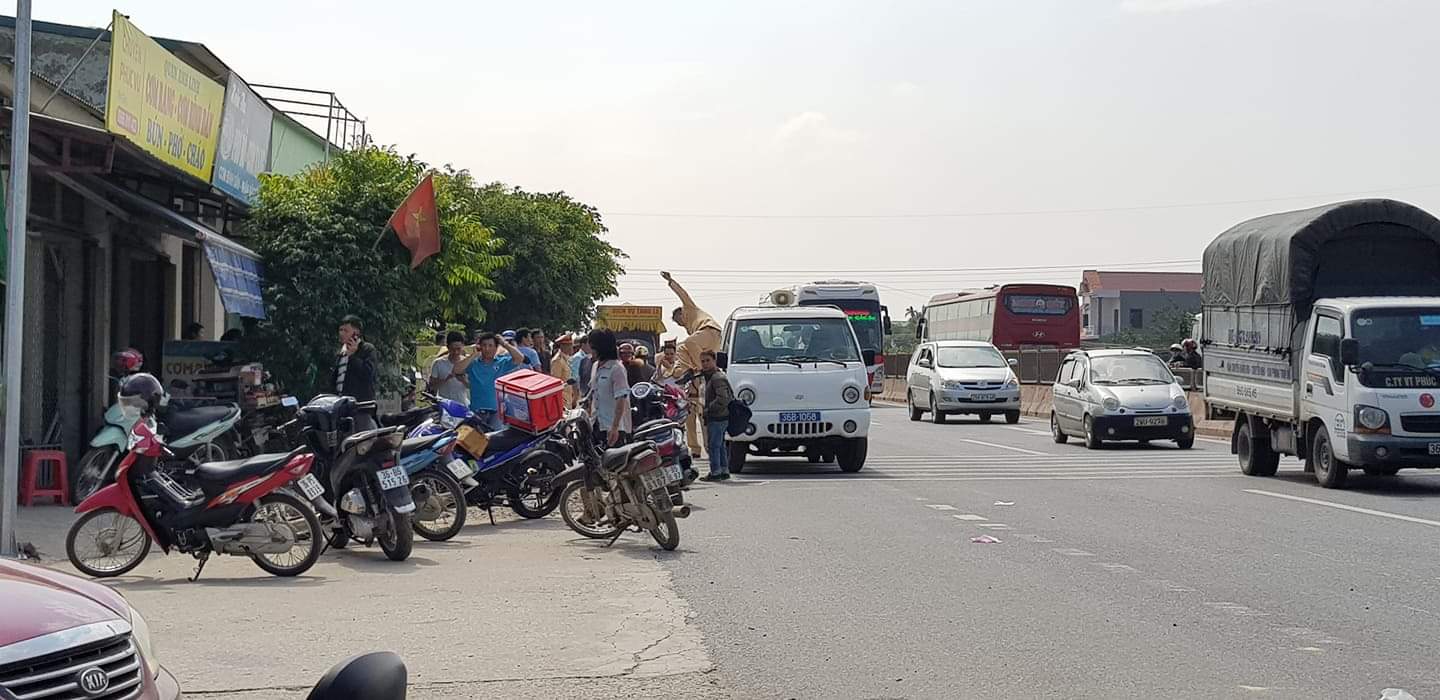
{"x":458,"y":468}
{"x":1435,"y":448}
{"x":800,"y":417}
{"x":1151,"y":421}
{"x":982,"y":397}
{"x":393,"y":478}
{"x":310,"y":486}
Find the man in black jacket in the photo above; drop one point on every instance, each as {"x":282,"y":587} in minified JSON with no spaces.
{"x":718,"y":396}
{"x":355,"y":367}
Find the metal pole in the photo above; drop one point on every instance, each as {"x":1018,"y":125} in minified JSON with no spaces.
{"x":15,"y":278}
{"x":74,"y":68}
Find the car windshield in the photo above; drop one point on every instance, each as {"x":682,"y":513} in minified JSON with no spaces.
{"x":982,"y":356}
{"x":1401,"y":345}
{"x":1129,"y":369}
{"x":797,"y":340}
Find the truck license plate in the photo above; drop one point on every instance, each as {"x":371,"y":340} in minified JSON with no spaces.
{"x":1151,"y":421}
{"x":1435,"y":448}
{"x":800,"y":417}
{"x":393,"y":478}
{"x":310,"y":486}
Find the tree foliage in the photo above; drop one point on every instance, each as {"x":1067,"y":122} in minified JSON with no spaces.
{"x":561,"y":265}
{"x":1164,"y":328}
{"x":316,"y":234}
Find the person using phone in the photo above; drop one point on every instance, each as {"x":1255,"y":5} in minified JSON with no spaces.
{"x":355,"y":368}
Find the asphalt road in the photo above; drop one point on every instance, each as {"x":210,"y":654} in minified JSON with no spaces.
{"x":1128,"y":572}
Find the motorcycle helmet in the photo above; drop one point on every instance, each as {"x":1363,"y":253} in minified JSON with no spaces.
{"x":140,"y":394}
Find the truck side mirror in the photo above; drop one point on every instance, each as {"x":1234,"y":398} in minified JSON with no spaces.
{"x":1349,"y":352}
{"x":869,"y":356}
{"x":722,"y":359}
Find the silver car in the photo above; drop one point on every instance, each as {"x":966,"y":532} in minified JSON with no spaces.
{"x":1109,"y":395}
{"x":961,"y":377}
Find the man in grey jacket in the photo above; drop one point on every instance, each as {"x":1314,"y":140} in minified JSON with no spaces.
{"x":718,"y":396}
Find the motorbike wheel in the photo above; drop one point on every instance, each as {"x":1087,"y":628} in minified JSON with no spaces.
{"x":110,"y":538}
{"x":397,"y":541}
{"x":572,"y":511}
{"x":450,"y":497}
{"x":95,"y":471}
{"x":536,"y":499}
{"x":284,"y":509}
{"x":667,"y":532}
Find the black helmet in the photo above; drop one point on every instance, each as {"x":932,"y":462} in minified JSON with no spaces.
{"x":140,"y":394}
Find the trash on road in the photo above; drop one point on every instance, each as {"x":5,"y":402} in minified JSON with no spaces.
{"x":986,"y":539}
{"x":1004,"y":503}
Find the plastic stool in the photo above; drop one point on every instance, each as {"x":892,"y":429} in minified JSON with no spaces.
{"x":46,"y":463}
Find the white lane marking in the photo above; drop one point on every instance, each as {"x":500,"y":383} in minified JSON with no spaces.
{"x":1116,"y":567}
{"x":1096,"y":477}
{"x":1072,"y":552}
{"x":1342,"y":506}
{"x":940,"y":506}
{"x":969,"y":516}
{"x":993,"y":526}
{"x":997,"y":446}
{"x":1046,"y":433}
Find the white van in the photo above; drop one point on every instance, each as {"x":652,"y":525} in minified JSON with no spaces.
{"x":802,"y":373}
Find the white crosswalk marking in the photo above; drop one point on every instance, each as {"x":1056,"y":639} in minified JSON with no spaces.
{"x":1074,"y":464}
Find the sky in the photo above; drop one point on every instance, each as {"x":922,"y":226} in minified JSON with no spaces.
{"x":924,"y":146}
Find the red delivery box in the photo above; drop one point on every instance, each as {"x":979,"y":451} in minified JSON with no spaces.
{"x":529,"y":400}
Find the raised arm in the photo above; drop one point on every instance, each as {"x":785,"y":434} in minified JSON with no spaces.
{"x":685,"y":299}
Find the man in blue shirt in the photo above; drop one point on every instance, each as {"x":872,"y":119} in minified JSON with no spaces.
{"x":482,"y":369}
{"x":524,"y":342}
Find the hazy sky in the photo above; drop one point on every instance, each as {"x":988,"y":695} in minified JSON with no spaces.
{"x":886,"y":114}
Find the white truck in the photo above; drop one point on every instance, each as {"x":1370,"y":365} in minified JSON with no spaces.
{"x":801,"y":372}
{"x":1321,"y":336}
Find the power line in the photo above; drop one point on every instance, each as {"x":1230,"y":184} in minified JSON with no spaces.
{"x":913,"y":270}
{"x":1018,"y":212}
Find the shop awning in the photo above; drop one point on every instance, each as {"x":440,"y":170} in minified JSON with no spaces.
{"x":236,"y":268}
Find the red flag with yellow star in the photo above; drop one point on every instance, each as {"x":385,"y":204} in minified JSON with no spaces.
{"x":417,"y":222}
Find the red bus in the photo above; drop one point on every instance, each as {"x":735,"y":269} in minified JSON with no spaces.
{"x":1009,"y":316}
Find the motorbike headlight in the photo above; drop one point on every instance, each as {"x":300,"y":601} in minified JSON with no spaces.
{"x":746,"y":396}
{"x":1111,"y":404}
{"x":850,"y":394}
{"x":1371,"y":418}
{"x":1180,"y":403}
{"x":144,"y":641}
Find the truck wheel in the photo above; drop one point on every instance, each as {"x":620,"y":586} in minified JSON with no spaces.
{"x":1256,"y":457}
{"x":738,"y":452}
{"x":1329,"y":470}
{"x":915,"y":411}
{"x":852,"y":455}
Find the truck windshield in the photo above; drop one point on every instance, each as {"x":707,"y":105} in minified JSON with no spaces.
{"x":1398,"y":343}
{"x":799,"y":340}
{"x":970,"y":357}
{"x":1129,"y":369}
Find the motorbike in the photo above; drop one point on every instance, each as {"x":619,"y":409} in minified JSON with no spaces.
{"x":658,"y":413}
{"x":612,"y":491}
{"x":240,"y":507}
{"x":438,"y":482}
{"x":361,"y":476}
{"x":510,"y":463}
{"x":195,"y":430}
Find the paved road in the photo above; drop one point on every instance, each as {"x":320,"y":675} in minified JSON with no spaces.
{"x":1129,"y":572}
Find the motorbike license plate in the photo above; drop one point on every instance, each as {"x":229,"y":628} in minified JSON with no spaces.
{"x":310,"y":486}
{"x":1435,"y":448}
{"x":982,"y":397}
{"x":458,"y":468}
{"x":800,"y":417}
{"x":393,"y":478}
{"x":1151,"y":421}
{"x":657,"y":479}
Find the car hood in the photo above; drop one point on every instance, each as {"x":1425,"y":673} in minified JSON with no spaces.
{"x":1142,"y":396}
{"x":995,"y":375}
{"x":39,"y":601}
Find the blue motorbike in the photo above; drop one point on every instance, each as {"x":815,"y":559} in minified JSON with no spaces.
{"x":509,"y":464}
{"x":438,"y":481}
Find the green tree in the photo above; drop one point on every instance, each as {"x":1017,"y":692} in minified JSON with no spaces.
{"x":316,"y":233}
{"x":561,"y":264}
{"x":1164,"y":328}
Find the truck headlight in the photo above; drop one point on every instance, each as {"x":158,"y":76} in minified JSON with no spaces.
{"x":1371,"y":418}
{"x":746,"y":396}
{"x":850,"y":394}
{"x":1111,"y":404}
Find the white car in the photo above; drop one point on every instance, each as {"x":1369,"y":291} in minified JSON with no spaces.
{"x":950,"y":377}
{"x":801,"y":372}
{"x":1111,"y":395}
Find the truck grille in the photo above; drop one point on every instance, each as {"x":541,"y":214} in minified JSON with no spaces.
{"x":57,"y":676}
{"x":1420,"y":423}
{"x":800,"y":429}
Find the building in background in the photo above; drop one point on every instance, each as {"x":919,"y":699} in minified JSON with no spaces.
{"x":1128,"y":302}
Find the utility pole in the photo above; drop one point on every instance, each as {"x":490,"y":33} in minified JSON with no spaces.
{"x":15,"y":279}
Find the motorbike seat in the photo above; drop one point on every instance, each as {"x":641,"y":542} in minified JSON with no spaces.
{"x":417,"y":444}
{"x":183,"y":422}
{"x":358,"y":438}
{"x":236,"y":469}
{"x":618,"y":457}
{"x":502,"y":441}
{"x":409,"y":418}
{"x":650,"y":425}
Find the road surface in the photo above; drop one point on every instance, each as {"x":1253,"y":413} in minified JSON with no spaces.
{"x":1128,"y":572}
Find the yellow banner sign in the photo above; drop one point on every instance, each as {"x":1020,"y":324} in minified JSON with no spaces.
{"x":160,"y":103}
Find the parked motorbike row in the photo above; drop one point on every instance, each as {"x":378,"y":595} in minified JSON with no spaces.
{"x":338,"y":486}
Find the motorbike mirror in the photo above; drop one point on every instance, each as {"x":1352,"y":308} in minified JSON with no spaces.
{"x":378,"y":675}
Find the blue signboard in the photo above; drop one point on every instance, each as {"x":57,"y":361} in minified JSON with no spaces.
{"x":244,"y":150}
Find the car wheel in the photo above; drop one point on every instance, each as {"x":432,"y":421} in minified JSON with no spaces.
{"x":984,"y":417}
{"x":1056,"y":433}
{"x":1092,"y":441}
{"x":1012,"y":417}
{"x":936,"y":415}
{"x":1329,"y":470}
{"x":915,"y":412}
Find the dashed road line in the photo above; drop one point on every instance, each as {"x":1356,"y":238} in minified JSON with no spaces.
{"x":940,"y":506}
{"x":969,"y":516}
{"x":1072,"y":552}
{"x":998,"y":446}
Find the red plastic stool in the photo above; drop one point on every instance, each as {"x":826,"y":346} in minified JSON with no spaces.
{"x":43,"y":475}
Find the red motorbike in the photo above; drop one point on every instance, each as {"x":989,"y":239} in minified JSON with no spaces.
{"x":241,"y":507}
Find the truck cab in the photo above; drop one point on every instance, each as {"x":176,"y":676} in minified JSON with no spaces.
{"x":801,"y":372}
{"x":1371,"y":375}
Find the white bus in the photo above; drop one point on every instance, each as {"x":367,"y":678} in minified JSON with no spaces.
{"x":861,"y":303}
